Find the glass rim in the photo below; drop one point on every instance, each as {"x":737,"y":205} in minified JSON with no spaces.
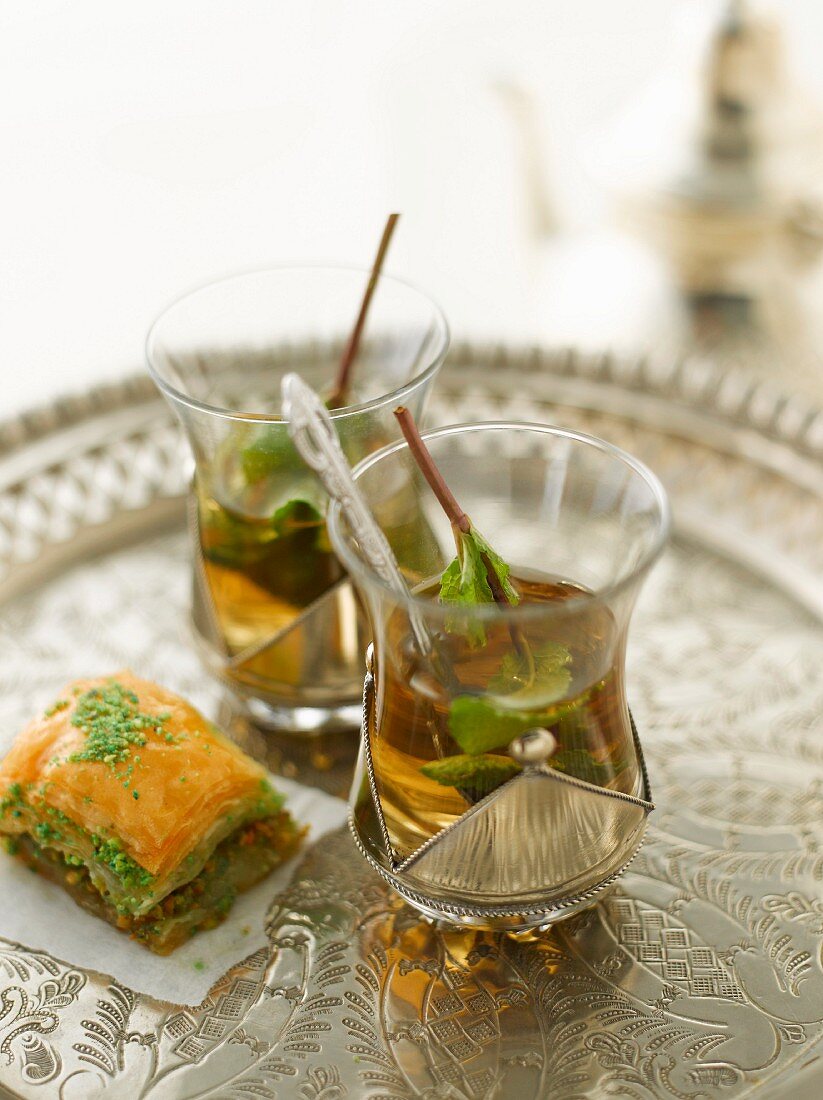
{"x":336,"y":414}
{"x":428,"y":605}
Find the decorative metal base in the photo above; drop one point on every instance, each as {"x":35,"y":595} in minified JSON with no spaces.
{"x":491,"y":918}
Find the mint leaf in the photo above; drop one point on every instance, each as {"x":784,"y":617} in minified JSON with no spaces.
{"x":480,"y":723}
{"x":295,"y":515}
{"x":464,"y":581}
{"x":473,"y":776}
{"x":465,"y":584}
{"x":232,"y":540}
{"x":479,"y":726}
{"x":272,"y":451}
{"x":500,"y":567}
{"x":240,"y":539}
{"x":539,"y":677}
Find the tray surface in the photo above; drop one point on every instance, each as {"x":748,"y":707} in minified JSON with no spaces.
{"x":699,"y":975}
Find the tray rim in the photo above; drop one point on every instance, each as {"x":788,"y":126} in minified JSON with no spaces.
{"x":726,"y":395}
{"x":726,"y":409}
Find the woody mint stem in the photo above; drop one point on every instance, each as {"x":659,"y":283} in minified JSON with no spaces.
{"x":340,"y":391}
{"x":437,"y":483}
{"x":460,"y":522}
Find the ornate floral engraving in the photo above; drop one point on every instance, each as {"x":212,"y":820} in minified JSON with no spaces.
{"x":700,"y":976}
{"x":24,"y":1017}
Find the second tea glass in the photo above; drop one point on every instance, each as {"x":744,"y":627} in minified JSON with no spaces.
{"x":273,"y":611}
{"x":501,"y":781}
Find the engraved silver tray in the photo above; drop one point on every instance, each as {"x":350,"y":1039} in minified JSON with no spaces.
{"x":699,"y":976}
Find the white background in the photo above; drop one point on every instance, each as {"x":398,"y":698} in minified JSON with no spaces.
{"x":148,"y":147}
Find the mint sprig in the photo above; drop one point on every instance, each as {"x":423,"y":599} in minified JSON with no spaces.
{"x":529,"y":687}
{"x":465,"y":583}
{"x":478,"y":574}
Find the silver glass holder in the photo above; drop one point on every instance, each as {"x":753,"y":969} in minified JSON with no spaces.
{"x":522,"y":915}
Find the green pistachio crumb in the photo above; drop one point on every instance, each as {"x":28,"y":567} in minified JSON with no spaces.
{"x":46,"y":832}
{"x":113,"y":724}
{"x":110,"y":852}
{"x":135,"y":795}
{"x":13,"y":798}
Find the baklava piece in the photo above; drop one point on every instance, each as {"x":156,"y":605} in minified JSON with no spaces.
{"x":141,"y":809}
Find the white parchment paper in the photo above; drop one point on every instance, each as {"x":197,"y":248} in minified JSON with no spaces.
{"x":40,"y":916}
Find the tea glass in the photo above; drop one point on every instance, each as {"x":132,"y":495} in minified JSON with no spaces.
{"x":501,"y":781}
{"x":273,"y":611}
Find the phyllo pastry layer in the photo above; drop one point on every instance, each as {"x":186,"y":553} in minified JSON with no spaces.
{"x":128,"y":797}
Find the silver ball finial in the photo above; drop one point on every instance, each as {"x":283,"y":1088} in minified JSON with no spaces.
{"x":534,"y":747}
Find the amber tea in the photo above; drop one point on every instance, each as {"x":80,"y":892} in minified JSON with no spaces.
{"x":271,"y":576}
{"x":280,"y":602}
{"x":262,"y":573}
{"x":440,"y":748}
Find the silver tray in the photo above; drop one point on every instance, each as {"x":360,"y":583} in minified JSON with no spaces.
{"x":700,"y":975}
